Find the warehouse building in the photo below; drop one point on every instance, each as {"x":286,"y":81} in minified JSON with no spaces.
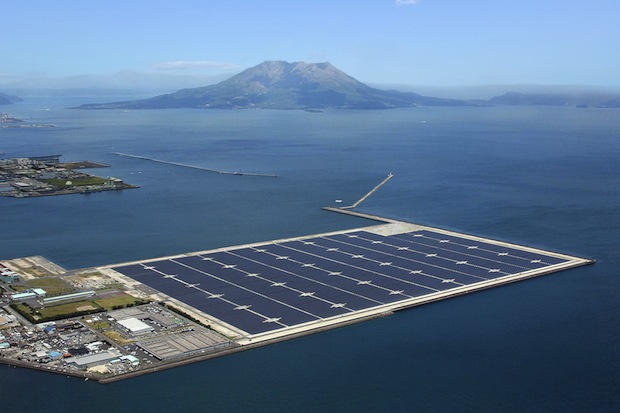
{"x":66,"y":298}
{"x":92,"y":360}
{"x":135,"y":326}
{"x":7,"y":276}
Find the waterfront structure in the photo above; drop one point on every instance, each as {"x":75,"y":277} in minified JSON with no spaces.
{"x":263,"y":291}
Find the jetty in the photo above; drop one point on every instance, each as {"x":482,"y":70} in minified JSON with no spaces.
{"x":372,"y":191}
{"x":202,"y":168}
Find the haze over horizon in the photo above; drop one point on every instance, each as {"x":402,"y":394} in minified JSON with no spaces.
{"x":430,"y":43}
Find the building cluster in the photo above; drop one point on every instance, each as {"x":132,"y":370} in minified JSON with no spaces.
{"x":108,"y":343}
{"x":85,"y":339}
{"x":8,"y":276}
{"x":66,"y":347}
{"x":45,"y":175}
{"x":6,"y":118}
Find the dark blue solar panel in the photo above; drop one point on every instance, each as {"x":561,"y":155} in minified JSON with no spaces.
{"x":283,"y":284}
{"x":486,"y":249}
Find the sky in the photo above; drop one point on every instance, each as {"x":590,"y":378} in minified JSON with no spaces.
{"x":408,"y":42}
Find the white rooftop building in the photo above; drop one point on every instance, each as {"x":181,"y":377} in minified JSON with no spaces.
{"x":136,"y":326}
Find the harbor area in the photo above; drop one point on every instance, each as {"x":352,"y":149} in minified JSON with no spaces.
{"x":46,"y":176}
{"x":117,"y":321}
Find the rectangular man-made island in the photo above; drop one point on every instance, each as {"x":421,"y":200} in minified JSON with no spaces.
{"x":140,"y":317}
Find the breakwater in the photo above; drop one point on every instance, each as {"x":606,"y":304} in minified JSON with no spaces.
{"x":202,"y":168}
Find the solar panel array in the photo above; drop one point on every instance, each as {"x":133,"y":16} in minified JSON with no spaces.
{"x":283,"y":284}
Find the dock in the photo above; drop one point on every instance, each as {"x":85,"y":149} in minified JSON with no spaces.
{"x":372,"y":191}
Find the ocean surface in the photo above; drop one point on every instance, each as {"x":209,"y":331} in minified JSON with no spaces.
{"x":538,"y":176}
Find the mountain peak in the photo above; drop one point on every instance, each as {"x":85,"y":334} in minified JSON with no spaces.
{"x":284,"y":74}
{"x":278,"y":84}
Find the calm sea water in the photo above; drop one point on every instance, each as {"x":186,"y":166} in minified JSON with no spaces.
{"x":545,"y":177}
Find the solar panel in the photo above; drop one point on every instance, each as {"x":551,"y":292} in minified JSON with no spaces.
{"x":286,"y":283}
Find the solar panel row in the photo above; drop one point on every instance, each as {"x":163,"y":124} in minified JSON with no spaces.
{"x":284,"y":284}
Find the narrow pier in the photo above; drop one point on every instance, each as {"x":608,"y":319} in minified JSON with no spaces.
{"x":372,"y":191}
{"x":348,"y":211}
{"x":202,"y":168}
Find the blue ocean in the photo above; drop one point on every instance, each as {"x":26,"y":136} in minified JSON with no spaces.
{"x":547,"y":177}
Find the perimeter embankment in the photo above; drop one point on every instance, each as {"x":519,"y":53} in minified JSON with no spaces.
{"x":360,"y":214}
{"x":48,"y":369}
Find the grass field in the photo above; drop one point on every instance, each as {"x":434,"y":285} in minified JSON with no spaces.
{"x":62,"y":183}
{"x":116,"y":300}
{"x":51,"y":285}
{"x":68,"y":309}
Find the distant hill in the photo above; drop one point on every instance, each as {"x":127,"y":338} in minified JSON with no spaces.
{"x":599,"y":100}
{"x":9,"y":99}
{"x":284,"y":85}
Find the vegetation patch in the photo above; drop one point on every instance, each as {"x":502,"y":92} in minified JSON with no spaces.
{"x":116,"y":337}
{"x":119,"y":300}
{"x":112,"y":286}
{"x":81,"y":181}
{"x":67,"y":310}
{"x":52,"y":285}
{"x":89,"y":274}
{"x":57,"y":312}
{"x":99,"y":324}
{"x":19,"y":288}
{"x":34,"y":271}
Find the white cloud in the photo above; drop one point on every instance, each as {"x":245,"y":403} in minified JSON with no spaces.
{"x":195,"y":64}
{"x":405,"y":2}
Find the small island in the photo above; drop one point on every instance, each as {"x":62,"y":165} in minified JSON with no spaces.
{"x":8,"y":121}
{"x":46,"y":175}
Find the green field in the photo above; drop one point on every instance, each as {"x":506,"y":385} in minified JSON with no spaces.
{"x":68,"y":309}
{"x":57,"y":312}
{"x":82,"y":181}
{"x":118,"y":300}
{"x":51,"y":285}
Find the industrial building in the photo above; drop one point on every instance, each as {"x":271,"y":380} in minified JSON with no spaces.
{"x":7,"y":275}
{"x":135,"y":326}
{"x":85,"y":362}
{"x":34,"y":293}
{"x":23,"y":296}
{"x":133,"y":360}
{"x":67,"y":297}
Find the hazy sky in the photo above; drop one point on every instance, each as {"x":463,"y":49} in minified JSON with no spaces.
{"x":423,"y":42}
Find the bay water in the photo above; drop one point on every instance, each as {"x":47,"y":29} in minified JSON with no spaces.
{"x":547,"y":177}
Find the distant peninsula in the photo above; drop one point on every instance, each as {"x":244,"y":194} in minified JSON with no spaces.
{"x":284,"y":85}
{"x":580,"y":100}
{"x":9,"y":99}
